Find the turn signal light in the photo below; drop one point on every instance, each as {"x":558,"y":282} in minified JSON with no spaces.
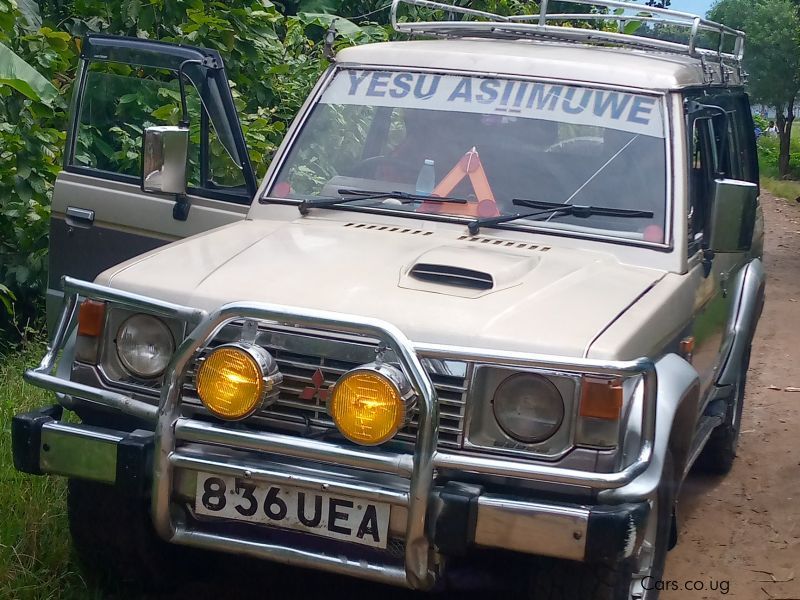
{"x":370,"y":404}
{"x":91,"y":315}
{"x":601,"y":398}
{"x":91,"y":321}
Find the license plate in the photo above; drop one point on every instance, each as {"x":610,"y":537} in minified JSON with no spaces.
{"x":333,"y":516}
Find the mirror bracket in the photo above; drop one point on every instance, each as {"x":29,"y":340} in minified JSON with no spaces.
{"x":180,"y":210}
{"x":708,"y":260}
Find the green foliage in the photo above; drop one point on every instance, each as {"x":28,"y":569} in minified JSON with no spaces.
{"x":272,"y":59}
{"x":769,"y":155}
{"x":772,"y":57}
{"x":35,"y":69}
{"x":760,"y":122}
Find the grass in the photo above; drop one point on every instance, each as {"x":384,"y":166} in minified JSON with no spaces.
{"x":783,"y":188}
{"x":35,"y":559}
{"x":768,"y":165}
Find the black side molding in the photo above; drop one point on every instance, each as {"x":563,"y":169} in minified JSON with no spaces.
{"x":613,"y":531}
{"x":26,"y":437}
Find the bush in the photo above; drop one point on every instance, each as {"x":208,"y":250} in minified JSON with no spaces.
{"x":272,"y":60}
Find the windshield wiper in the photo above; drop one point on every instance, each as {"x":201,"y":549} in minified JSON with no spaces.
{"x":305,"y":205}
{"x":557,"y":209}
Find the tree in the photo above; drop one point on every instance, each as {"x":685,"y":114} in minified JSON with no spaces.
{"x":772,"y":58}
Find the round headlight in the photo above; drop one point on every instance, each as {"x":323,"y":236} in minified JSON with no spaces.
{"x":370,"y":404}
{"x":528,"y":407}
{"x":144,"y":345}
{"x":233,"y":380}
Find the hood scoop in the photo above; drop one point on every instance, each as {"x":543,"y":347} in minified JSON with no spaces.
{"x":447,"y":275}
{"x":467,"y":271}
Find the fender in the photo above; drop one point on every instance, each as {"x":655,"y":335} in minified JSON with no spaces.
{"x":676,"y":418}
{"x":748,"y":303}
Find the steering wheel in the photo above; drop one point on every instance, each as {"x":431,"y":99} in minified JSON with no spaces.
{"x":368,"y":167}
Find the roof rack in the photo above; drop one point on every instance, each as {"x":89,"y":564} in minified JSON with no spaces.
{"x":460,"y":21}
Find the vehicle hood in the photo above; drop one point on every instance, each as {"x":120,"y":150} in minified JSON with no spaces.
{"x":431,"y":284}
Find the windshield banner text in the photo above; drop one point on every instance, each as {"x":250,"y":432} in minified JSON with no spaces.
{"x":504,"y":97}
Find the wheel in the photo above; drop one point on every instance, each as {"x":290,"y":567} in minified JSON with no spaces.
{"x":116,"y":545}
{"x":720,"y":451}
{"x":635,"y":579}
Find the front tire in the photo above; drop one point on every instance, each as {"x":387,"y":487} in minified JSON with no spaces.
{"x":116,"y":545}
{"x":634,"y":579}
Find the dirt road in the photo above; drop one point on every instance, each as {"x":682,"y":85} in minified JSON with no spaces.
{"x":742,"y":532}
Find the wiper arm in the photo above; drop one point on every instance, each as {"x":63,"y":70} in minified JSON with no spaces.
{"x":305,"y":205}
{"x":557,"y":209}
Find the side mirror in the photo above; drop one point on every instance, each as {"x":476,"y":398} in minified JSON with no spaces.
{"x":164,"y":152}
{"x":732,"y":215}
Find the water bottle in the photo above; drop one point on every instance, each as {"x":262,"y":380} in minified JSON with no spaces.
{"x":426,"y":180}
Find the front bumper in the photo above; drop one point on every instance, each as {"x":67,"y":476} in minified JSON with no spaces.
{"x":461,"y":517}
{"x":429,"y":525}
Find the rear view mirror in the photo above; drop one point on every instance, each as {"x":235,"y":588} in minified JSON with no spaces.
{"x":732,"y":217}
{"x":164,"y":153}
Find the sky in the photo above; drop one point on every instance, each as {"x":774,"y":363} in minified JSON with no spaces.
{"x":698,"y":7}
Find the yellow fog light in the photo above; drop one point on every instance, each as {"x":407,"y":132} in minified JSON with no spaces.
{"x":234,"y":379}
{"x":371,"y":403}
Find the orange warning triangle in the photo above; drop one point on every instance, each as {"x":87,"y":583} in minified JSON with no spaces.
{"x":470,"y":166}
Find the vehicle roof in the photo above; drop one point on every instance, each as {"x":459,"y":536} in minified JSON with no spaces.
{"x":623,"y":67}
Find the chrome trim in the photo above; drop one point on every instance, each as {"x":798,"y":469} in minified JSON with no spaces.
{"x":419,"y":467}
{"x":189,"y":430}
{"x":268,"y":472}
{"x":79,"y":451}
{"x":418,"y":549}
{"x":339,"y":564}
{"x":535,"y":26}
{"x":531,"y":527}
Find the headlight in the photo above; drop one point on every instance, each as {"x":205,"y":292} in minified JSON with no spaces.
{"x":528,"y":407}
{"x":144,"y":345}
{"x":234,"y":379}
{"x":371,"y":403}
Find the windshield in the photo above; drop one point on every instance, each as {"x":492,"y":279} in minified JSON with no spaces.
{"x":487,"y":141}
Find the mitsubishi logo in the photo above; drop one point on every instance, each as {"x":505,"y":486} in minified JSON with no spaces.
{"x":315,"y":390}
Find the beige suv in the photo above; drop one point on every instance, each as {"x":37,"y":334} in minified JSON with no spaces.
{"x":496,"y":293}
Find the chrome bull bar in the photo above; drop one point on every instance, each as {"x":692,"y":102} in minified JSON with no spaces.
{"x":171,"y":428}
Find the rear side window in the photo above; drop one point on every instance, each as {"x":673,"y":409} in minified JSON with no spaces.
{"x":739,"y":160}
{"x":119,"y":101}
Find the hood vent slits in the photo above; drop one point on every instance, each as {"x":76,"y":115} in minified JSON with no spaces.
{"x":456,"y":276}
{"x":504,"y":243}
{"x":388,"y":228}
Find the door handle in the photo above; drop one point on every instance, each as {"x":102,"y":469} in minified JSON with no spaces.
{"x":79,"y":217}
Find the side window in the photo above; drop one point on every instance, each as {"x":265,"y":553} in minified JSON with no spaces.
{"x":745,"y":133}
{"x":120,"y":101}
{"x":725,"y":140}
{"x":703,"y":168}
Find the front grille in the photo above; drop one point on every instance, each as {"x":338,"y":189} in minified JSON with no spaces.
{"x":301,"y":354}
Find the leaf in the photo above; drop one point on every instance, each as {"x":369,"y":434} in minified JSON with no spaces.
{"x":19,"y":75}
{"x":6,"y":298}
{"x":29,"y":10}
{"x":343,"y":26}
{"x":631,"y":27}
{"x":318,"y":6}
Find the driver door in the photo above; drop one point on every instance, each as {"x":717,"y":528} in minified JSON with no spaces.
{"x":100,"y":215}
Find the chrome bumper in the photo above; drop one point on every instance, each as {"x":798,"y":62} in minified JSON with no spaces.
{"x":502,"y":522}
{"x":462,"y":517}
